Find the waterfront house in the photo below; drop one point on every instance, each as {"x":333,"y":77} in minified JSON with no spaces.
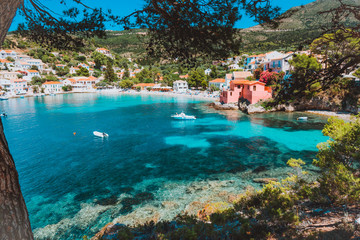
{"x":69,"y":81}
{"x":52,"y":87}
{"x":251,"y":91}
{"x":18,"y":86}
{"x":219,"y":83}
{"x":180,"y":86}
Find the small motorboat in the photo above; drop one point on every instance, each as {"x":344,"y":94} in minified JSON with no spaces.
{"x":100,"y":134}
{"x":3,"y":115}
{"x":3,"y":98}
{"x":302,"y":118}
{"x":183,"y":116}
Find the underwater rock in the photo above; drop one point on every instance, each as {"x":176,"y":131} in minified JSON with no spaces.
{"x":260,"y":169}
{"x":264,"y":180}
{"x":144,"y":196}
{"x":112,"y":200}
{"x":170,"y":204}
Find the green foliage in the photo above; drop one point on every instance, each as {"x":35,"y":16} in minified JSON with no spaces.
{"x":37,"y":80}
{"x":110,"y":75}
{"x":357,"y":73}
{"x":196,"y":78}
{"x":63,"y":71}
{"x":339,"y":160}
{"x":126,"y":84}
{"x":67,"y":88}
{"x":10,"y":59}
{"x":83,"y":72}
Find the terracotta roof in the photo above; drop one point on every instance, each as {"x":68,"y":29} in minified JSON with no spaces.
{"x":102,"y":49}
{"x":246,"y":82}
{"x":71,"y":80}
{"x":144,"y":85}
{"x":52,"y":82}
{"x":184,"y":76}
{"x":34,"y":71}
{"x":218,"y":80}
{"x":4,"y":61}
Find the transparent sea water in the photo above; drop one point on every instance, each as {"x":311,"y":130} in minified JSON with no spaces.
{"x":75,"y":184}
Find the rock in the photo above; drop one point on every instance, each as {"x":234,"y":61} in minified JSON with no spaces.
{"x":260,"y":169}
{"x":170,"y":204}
{"x":219,"y":106}
{"x":264,"y":180}
{"x":194,"y":207}
{"x":256,"y":108}
{"x":144,"y":196}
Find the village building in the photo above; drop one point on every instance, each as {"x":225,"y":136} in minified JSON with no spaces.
{"x":104,"y":51}
{"x":219,"y":83}
{"x":251,"y":91}
{"x":52,"y":87}
{"x":8,"y":53}
{"x":5,"y":84}
{"x":180,"y":86}
{"x":29,"y":74}
{"x":143,"y":86}
{"x":9,"y":75}
{"x":18,"y":86}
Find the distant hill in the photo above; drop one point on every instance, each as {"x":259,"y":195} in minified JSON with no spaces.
{"x":308,"y":17}
{"x":298,"y":27}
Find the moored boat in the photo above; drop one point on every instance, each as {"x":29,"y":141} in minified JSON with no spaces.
{"x":302,"y":118}
{"x":183,"y":116}
{"x":100,"y":134}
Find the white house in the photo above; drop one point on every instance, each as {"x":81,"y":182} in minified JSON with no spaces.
{"x":18,"y":86}
{"x":52,"y":87}
{"x":219,"y":83}
{"x":207,"y":71}
{"x":9,"y":75}
{"x":8,"y":53}
{"x":104,"y":51}
{"x":73,"y":70}
{"x":280,"y":64}
{"x":5,"y":84}
{"x":4,"y":62}
{"x":31,"y":74}
{"x":36,"y":62}
{"x":180,"y":86}
{"x":22,"y":65}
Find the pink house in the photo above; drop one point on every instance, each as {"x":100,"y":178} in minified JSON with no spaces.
{"x":253,"y":91}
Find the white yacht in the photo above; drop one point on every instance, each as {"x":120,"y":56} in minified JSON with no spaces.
{"x":183,"y":116}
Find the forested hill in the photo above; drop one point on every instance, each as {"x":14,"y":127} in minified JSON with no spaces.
{"x":308,"y":17}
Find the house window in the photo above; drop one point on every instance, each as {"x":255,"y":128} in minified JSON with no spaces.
{"x":230,"y":93}
{"x":238,"y":86}
{"x":254,"y":88}
{"x":249,"y":87}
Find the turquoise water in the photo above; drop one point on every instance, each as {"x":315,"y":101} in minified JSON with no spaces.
{"x":75,"y":184}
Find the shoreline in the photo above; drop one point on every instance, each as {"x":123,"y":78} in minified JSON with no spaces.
{"x":342,"y":115}
{"x":346,"y":116}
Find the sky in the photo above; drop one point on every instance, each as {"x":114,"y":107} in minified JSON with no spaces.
{"x":125,"y":7}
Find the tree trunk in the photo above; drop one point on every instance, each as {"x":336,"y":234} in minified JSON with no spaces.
{"x":8,"y":10}
{"x":14,"y":218}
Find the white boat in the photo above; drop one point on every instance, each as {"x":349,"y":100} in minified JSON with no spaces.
{"x":302,"y":118}
{"x":100,"y":134}
{"x":3,"y":98}
{"x":183,"y":116}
